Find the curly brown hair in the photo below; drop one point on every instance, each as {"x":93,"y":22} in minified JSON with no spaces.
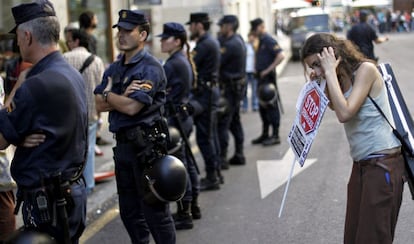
{"x":350,"y":56}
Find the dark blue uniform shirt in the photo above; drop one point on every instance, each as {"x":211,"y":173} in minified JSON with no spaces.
{"x":52,"y":100}
{"x":179,"y":76}
{"x":206,"y":56}
{"x":142,"y":67}
{"x":233,"y":58}
{"x":363,"y":35}
{"x":267,"y":52}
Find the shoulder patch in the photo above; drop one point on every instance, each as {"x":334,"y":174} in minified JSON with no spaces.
{"x":276,"y":47}
{"x":145,"y":85}
{"x":223,"y":50}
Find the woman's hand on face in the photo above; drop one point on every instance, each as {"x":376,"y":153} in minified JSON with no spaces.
{"x":328,"y":59}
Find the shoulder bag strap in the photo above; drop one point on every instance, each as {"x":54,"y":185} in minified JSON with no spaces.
{"x":87,"y":62}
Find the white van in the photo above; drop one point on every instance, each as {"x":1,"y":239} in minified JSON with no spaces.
{"x":305,"y":22}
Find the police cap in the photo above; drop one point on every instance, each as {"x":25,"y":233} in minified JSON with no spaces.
{"x":29,"y":11}
{"x":198,"y":17}
{"x":172,"y":29}
{"x":255,"y":23}
{"x":129,"y":19}
{"x":228,"y":19}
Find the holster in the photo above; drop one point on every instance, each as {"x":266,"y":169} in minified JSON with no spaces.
{"x":42,"y":200}
{"x":237,"y":86}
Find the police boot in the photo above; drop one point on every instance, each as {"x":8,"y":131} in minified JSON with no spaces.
{"x":238,"y":158}
{"x":183,"y":219}
{"x":273,"y":140}
{"x":262,"y":137}
{"x":224,"y":164}
{"x":195,"y":208}
{"x":210,"y":182}
{"x":220,"y":176}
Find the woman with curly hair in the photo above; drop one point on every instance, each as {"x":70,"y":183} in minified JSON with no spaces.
{"x":375,"y":187}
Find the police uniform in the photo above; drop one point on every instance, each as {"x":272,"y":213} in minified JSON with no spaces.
{"x":179,"y":75}
{"x":232,"y":85}
{"x":267,"y":50}
{"x":51,"y":101}
{"x":206,"y":56}
{"x":139,"y":138}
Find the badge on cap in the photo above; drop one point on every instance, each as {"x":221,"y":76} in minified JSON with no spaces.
{"x":124,"y":14}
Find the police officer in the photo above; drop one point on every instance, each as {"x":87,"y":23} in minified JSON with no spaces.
{"x":51,"y":102}
{"x":180,"y":76}
{"x":269,"y":54}
{"x":206,"y":55}
{"x":232,"y":85}
{"x":133,"y":91}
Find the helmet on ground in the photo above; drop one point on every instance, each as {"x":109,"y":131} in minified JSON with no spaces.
{"x":267,"y":94}
{"x":29,"y":236}
{"x":165,"y":180}
{"x":175,"y":141}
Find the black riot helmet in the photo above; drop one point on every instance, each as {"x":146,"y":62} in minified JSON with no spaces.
{"x":267,"y":94}
{"x":175,"y":141}
{"x":165,"y":180}
{"x":28,"y":236}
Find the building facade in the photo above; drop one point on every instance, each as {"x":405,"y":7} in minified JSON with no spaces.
{"x":158,"y":11}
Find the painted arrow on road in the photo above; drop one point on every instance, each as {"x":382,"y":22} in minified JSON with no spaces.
{"x":274,"y":173}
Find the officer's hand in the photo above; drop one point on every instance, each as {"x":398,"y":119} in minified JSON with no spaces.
{"x":134,"y":86}
{"x":33,"y":140}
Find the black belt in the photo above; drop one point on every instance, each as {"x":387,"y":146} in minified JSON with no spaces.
{"x":208,"y":83}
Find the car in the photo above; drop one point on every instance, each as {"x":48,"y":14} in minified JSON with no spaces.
{"x":304,"y":23}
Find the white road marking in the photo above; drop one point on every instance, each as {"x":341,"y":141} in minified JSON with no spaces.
{"x":274,"y":173}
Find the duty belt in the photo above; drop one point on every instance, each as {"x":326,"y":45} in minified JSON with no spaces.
{"x":207,"y":83}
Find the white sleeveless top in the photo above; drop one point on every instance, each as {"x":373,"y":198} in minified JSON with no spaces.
{"x":368,"y":131}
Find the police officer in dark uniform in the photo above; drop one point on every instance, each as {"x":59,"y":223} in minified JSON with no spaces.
{"x":269,"y":54}
{"x":180,"y":76}
{"x":50,"y":103}
{"x":133,"y":91}
{"x":232,"y":85}
{"x":206,"y":55}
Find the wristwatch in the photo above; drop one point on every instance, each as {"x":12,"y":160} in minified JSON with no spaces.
{"x":105,"y":95}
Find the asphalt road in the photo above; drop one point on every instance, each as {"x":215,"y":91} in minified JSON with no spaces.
{"x":315,"y":204}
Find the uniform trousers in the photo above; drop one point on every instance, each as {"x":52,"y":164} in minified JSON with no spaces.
{"x":193,"y":184}
{"x":375,"y":192}
{"x":139,"y":218}
{"x":230,"y":121}
{"x":270,"y":114}
{"x":206,"y":129}
{"x":76,"y":215}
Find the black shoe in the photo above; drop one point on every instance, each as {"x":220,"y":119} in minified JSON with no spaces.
{"x":271,"y":141}
{"x":224,"y":165}
{"x":183,"y":221}
{"x":195,"y":211}
{"x":259,"y":140}
{"x":207,"y":184}
{"x":220,"y":178}
{"x":237,"y":159}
